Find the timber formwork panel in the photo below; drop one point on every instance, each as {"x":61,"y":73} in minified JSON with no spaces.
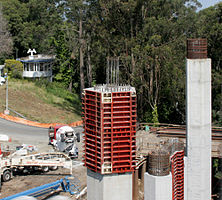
{"x":110,"y":128}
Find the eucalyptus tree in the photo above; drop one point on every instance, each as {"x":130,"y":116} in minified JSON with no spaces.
{"x":149,"y":37}
{"x":5,"y":37}
{"x":209,"y":25}
{"x":32,"y":23}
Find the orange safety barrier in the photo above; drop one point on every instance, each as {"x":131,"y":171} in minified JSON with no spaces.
{"x":36,"y":124}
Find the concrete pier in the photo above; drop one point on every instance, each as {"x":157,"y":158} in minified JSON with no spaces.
{"x":109,"y":186}
{"x":198,"y":112}
{"x":157,"y":187}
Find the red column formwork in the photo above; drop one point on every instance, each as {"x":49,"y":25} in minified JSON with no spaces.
{"x":177,"y":170}
{"x":110,"y":128}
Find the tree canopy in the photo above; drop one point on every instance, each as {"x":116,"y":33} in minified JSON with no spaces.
{"x":148,"y":37}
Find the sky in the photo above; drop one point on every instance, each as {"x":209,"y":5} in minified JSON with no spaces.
{"x":208,"y":3}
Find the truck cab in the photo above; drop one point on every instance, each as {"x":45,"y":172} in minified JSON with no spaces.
{"x":52,"y":133}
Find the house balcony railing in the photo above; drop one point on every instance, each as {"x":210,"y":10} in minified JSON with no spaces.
{"x":37,"y":74}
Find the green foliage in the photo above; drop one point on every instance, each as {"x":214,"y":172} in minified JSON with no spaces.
{"x":66,"y":67}
{"x":31,"y":24}
{"x":155,"y":116}
{"x":149,"y":37}
{"x":212,"y":30}
{"x":217,"y":167}
{"x":59,"y":90}
{"x":148,"y":118}
{"x":14,"y":68}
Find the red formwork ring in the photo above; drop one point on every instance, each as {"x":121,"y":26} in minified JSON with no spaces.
{"x":177,"y":170}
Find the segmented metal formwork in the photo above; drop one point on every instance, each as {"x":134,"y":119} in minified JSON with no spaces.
{"x":177,"y":170}
{"x":110,"y":127}
{"x":197,"y":48}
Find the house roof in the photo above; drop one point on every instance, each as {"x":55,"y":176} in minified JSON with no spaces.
{"x":37,"y":58}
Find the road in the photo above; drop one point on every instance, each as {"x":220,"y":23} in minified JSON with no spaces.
{"x":23,"y":134}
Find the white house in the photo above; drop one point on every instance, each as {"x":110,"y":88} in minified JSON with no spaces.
{"x":36,"y":66}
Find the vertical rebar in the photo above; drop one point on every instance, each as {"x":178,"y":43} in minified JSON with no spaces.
{"x":112,"y":71}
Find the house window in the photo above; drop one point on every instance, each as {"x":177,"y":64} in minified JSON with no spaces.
{"x":41,"y":67}
{"x":38,"y":67}
{"x":49,"y":68}
{"x":25,"y":67}
{"x":31,"y":66}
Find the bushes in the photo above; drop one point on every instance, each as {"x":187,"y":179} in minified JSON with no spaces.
{"x":14,"y":68}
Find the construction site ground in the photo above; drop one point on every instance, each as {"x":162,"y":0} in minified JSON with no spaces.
{"x":145,"y":143}
{"x":22,"y":182}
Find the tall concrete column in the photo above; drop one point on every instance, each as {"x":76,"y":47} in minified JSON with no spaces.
{"x":198,"y":112}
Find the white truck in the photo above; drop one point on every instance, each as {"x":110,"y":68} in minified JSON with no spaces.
{"x":40,"y":161}
{"x":64,"y":139}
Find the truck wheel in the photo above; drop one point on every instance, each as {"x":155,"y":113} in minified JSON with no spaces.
{"x":35,"y":168}
{"x":45,"y":169}
{"x":7,"y":175}
{"x":54,"y":168}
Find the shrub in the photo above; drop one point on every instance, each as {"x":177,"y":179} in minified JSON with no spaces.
{"x":155,"y":116}
{"x":14,"y":68}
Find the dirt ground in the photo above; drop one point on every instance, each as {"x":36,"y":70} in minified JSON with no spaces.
{"x":22,"y":182}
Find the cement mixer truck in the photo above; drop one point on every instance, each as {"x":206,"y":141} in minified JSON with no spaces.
{"x":64,"y":139}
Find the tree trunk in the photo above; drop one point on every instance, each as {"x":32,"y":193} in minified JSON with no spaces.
{"x":132,"y":56}
{"x":70,"y":83}
{"x":82,"y":82}
{"x":89,"y":71}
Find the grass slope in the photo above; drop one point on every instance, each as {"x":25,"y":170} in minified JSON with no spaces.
{"x":41,"y":101}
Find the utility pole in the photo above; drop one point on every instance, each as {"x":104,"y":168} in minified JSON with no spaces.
{"x":6,"y":112}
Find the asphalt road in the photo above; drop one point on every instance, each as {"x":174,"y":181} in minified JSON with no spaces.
{"x":24,"y":134}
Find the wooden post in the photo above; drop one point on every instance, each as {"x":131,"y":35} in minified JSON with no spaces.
{"x":143,"y":171}
{"x":135,"y":185}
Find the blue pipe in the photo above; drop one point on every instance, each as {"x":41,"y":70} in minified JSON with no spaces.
{"x":44,"y":189}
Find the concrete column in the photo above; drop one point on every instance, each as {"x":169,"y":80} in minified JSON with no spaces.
{"x":109,"y":186}
{"x":157,"y":187}
{"x":198,"y":112}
